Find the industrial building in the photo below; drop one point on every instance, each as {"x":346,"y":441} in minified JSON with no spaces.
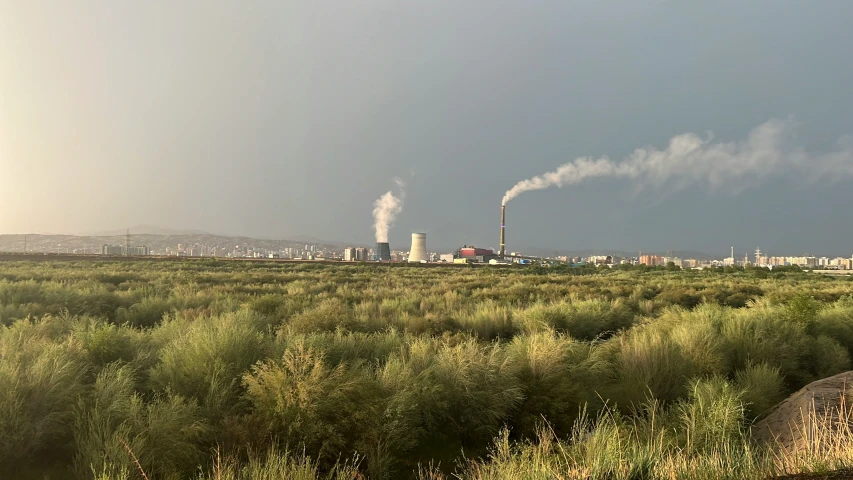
{"x":383,"y":252}
{"x":418,"y":252}
{"x":477,"y":255}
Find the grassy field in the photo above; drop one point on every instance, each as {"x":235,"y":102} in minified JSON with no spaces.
{"x":233,"y":370}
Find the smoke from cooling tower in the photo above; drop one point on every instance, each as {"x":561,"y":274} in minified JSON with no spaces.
{"x":385,"y":210}
{"x":689,"y":159}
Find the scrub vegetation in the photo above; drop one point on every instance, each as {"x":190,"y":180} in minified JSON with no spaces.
{"x":240,"y":370}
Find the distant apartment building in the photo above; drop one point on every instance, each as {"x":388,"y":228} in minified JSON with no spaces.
{"x":839,"y":263}
{"x":805,"y":262}
{"x":651,"y":260}
{"x":690,"y":263}
{"x":809,"y":262}
{"x":362,"y":254}
{"x":676,"y":260}
{"x":123,"y":250}
{"x":112,"y":250}
{"x":349,"y":254}
{"x":777,"y":261}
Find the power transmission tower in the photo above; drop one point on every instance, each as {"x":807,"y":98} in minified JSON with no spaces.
{"x":127,"y":244}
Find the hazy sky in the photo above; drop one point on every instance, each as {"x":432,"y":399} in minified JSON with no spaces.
{"x":291,"y":117}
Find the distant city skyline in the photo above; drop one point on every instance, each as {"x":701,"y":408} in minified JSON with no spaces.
{"x":203,"y":244}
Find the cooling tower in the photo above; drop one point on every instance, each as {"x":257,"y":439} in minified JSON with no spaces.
{"x":418,"y":252}
{"x":383,"y":252}
{"x":503,"y":229}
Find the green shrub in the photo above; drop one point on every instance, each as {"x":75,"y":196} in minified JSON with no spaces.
{"x":651,"y":363}
{"x":762,"y":388}
{"x":216,"y":369}
{"x":737,"y":300}
{"x":479,"y":387}
{"x":762,"y":335}
{"x":328,"y":316}
{"x":679,"y":297}
{"x":10,"y":313}
{"x":555,"y":377}
{"x":583,"y":320}
{"x":206,"y":358}
{"x":713,"y":416}
{"x":803,"y":310}
{"x":146,"y":313}
{"x":345,"y":347}
{"x":40,"y":380}
{"x":119,"y":428}
{"x":697,"y":334}
{"x":106,"y":342}
{"x":836,"y":321}
{"x":307,"y":403}
{"x":266,"y":305}
{"x":277,"y":465}
{"x":826,"y":358}
{"x":488,"y":322}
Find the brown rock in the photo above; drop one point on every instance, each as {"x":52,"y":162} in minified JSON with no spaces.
{"x":805,"y":420}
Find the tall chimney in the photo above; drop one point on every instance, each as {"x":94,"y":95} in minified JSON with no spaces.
{"x":503,"y":228}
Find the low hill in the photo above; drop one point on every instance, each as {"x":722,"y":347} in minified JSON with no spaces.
{"x":146,"y":230}
{"x":156,"y":242}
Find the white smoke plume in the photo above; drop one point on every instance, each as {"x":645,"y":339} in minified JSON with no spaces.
{"x":385,"y":210}
{"x":690,"y":160}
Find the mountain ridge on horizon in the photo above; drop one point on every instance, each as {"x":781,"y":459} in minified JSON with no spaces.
{"x":175,"y":232}
{"x":144,"y":230}
{"x":156,"y":238}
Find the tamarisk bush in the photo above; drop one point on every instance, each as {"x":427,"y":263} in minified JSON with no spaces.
{"x":251,"y":370}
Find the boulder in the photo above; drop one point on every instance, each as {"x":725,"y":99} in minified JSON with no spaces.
{"x":810,"y":417}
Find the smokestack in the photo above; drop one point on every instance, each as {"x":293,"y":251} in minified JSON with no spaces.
{"x":503,"y":228}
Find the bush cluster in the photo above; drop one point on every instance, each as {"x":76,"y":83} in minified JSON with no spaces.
{"x":228,"y":370}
